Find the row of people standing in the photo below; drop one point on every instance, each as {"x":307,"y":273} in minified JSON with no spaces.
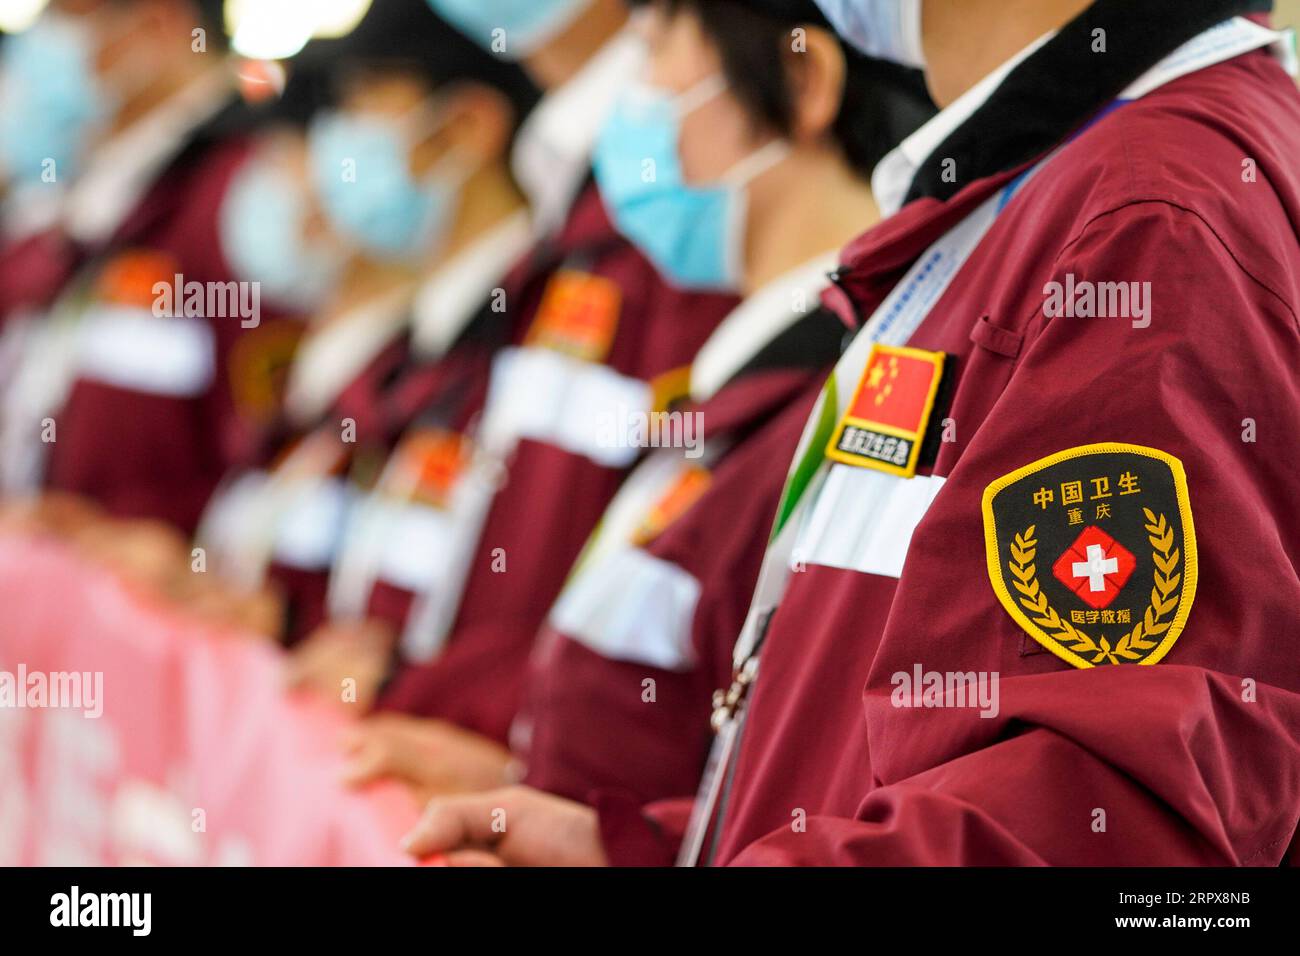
{"x":482,"y":296}
{"x":464,"y":290}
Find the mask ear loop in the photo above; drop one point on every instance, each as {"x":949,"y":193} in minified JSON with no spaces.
{"x":428,"y":118}
{"x":753,"y":165}
{"x":735,"y":180}
{"x":756,"y":164}
{"x":707,"y":89}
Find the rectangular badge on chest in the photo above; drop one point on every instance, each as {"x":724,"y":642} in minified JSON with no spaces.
{"x":578,"y":315}
{"x":885,"y":423}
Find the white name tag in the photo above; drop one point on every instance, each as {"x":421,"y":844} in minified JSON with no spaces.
{"x":863,"y":520}
{"x":632,"y":606}
{"x":417,"y":540}
{"x":134,"y":350}
{"x":581,"y":407}
{"x":311,"y":526}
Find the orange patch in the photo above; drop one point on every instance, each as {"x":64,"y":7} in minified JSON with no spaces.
{"x":685,"y":491}
{"x":129,"y":277}
{"x":578,"y":315}
{"x":426,"y":466}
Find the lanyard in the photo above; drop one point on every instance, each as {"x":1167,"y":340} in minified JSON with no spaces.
{"x":893,"y":323}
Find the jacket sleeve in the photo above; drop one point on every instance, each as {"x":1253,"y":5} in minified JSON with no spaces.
{"x":1195,"y":760}
{"x":637,"y":834}
{"x":33,"y":270}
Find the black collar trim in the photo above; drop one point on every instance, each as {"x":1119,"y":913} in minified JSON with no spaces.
{"x":1063,"y":84}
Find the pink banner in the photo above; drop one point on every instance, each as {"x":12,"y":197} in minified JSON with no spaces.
{"x":129,"y":734}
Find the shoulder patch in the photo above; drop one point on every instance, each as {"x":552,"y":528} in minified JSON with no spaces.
{"x":578,"y":315}
{"x":687,"y":489}
{"x":1092,"y":551}
{"x":259,"y":368}
{"x":426,"y":465}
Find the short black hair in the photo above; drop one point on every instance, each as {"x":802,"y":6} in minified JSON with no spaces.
{"x":883,"y":102}
{"x":406,"y":36}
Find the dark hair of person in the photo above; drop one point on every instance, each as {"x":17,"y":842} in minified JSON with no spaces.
{"x":882,"y":104}
{"x":406,"y":37}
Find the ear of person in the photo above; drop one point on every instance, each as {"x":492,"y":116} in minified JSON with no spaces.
{"x":817,"y":70}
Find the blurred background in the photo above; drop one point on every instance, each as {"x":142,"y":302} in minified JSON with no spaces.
{"x":280,"y":28}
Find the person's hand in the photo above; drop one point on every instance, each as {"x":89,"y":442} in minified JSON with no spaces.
{"x":257,"y":613}
{"x":23,"y":516}
{"x":355,"y":651}
{"x":261,"y":613}
{"x":147,"y":552}
{"x":60,"y":513}
{"x":514,"y":826}
{"x":431,"y":756}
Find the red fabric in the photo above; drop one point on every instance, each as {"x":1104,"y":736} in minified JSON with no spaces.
{"x":1186,"y":771}
{"x":303,"y":591}
{"x":633,"y":836}
{"x":590,"y":727}
{"x":157,"y":456}
{"x":552,"y":499}
{"x":34,"y":269}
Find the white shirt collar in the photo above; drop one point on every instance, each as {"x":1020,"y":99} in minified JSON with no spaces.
{"x":894,"y":174}
{"x":330,"y":358}
{"x":121,"y":170}
{"x":31,"y":208}
{"x":453,"y":295}
{"x":552,"y":154}
{"x":757,"y":321}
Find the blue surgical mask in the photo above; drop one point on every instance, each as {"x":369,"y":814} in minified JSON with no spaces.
{"x":361,"y":173}
{"x":524,"y":25}
{"x":695,"y":235}
{"x":885,"y":29}
{"x":262,"y":223}
{"x":50,"y":101}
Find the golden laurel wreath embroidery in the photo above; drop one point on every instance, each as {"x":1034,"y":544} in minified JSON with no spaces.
{"x":1154,"y":622}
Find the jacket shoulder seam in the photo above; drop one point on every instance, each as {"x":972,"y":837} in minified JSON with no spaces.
{"x":1209,"y":227}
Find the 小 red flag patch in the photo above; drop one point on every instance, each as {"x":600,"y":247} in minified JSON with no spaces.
{"x":884,"y":425}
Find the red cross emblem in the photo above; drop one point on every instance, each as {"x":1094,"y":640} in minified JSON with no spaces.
{"x":1096,"y":567}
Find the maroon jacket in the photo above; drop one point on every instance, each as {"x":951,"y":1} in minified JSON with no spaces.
{"x":33,"y":269}
{"x":552,"y":497}
{"x":588,"y":723}
{"x":397,"y":389}
{"x":1195,"y":760}
{"x":146,"y":453}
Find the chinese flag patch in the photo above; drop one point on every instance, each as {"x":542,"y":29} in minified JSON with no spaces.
{"x":578,"y":315}
{"x":426,"y":465}
{"x":687,"y":489}
{"x":885,"y":422}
